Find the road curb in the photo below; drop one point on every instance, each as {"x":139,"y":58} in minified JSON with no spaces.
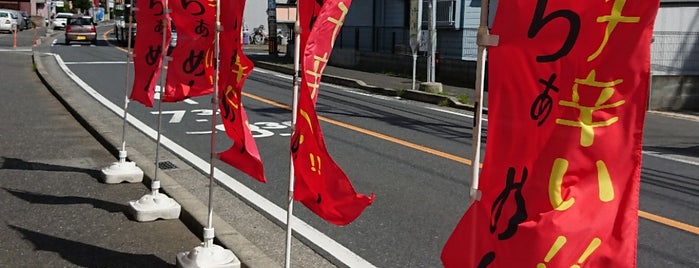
{"x":437,"y":99}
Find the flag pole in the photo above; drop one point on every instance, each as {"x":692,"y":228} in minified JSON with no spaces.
{"x":122,"y":170}
{"x":294,"y":109}
{"x":208,"y":254}
{"x":209,"y":229}
{"x":483,"y":39}
{"x":157,"y":205}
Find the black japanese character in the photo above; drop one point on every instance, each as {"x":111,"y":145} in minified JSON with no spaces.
{"x":199,"y":6}
{"x":193,"y":63}
{"x":155,"y":3}
{"x":202,"y":29}
{"x":543,"y":103}
{"x":153,"y":55}
{"x":227,"y":111}
{"x":520,"y":214}
{"x":539,"y":21}
{"x":487,"y":259}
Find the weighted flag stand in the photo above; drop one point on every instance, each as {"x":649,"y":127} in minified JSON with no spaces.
{"x":294,"y":109}
{"x":124,"y":171}
{"x":157,"y":205}
{"x":483,"y":39}
{"x":207,"y":254}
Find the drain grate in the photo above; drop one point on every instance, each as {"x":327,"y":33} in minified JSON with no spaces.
{"x":165,"y":165}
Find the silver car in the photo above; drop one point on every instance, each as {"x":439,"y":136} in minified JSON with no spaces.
{"x":21,"y":23}
{"x":7,"y":23}
{"x":81,"y":28}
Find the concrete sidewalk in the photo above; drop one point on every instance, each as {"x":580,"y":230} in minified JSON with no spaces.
{"x":256,"y":240}
{"x":55,"y":210}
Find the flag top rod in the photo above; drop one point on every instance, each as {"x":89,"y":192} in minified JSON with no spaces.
{"x":294,"y":109}
{"x":483,"y":39}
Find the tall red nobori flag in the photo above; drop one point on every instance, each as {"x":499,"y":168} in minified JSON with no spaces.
{"x":148,"y":50}
{"x":568,"y":88}
{"x":234,"y":69}
{"x":320,"y":184}
{"x":191,"y":71}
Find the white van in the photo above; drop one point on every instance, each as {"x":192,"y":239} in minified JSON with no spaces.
{"x":7,"y":23}
{"x":61,"y":20}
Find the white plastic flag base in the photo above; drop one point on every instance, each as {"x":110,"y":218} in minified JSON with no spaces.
{"x":214,"y":256}
{"x":152,"y":207}
{"x":119,"y":172}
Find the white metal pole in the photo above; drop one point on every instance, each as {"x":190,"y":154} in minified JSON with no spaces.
{"x":477,"y":119}
{"x":294,"y":109}
{"x":414,"y":68}
{"x":129,"y":59}
{"x":209,"y":229}
{"x":155,"y":184}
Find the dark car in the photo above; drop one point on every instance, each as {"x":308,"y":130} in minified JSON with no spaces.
{"x":27,"y":22}
{"x":81,"y":28}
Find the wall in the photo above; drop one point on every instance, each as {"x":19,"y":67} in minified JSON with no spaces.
{"x":674,"y":93}
{"x":675,"y":58}
{"x":449,"y":71}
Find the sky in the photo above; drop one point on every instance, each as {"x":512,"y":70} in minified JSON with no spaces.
{"x":255,"y":13}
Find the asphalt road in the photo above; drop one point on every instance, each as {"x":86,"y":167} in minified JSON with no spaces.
{"x":420,"y":195}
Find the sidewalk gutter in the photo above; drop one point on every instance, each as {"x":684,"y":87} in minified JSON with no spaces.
{"x":194,"y":213}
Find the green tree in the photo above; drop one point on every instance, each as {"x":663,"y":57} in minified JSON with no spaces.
{"x":82,"y":5}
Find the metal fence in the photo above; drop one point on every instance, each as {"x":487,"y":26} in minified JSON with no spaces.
{"x":672,"y":53}
{"x":374,"y":39}
{"x":675,"y":53}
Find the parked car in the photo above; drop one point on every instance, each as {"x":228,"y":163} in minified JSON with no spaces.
{"x":21,"y":23}
{"x":81,"y":28}
{"x":61,"y":20}
{"x":27,"y":19}
{"x":7,"y":24}
{"x":173,"y":38}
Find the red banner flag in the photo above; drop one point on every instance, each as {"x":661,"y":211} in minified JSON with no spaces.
{"x":321,"y":185}
{"x":568,"y":87}
{"x":191,"y":71}
{"x":148,"y":50}
{"x":234,"y":69}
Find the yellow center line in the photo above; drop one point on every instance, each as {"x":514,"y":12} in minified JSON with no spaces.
{"x":669,"y":222}
{"x":372,"y":133}
{"x":642,"y":214}
{"x":104,"y":37}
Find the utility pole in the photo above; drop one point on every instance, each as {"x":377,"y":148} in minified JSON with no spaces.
{"x":272,"y":26}
{"x":432,"y":42}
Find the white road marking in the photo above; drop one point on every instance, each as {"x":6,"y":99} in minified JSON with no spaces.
{"x":671,"y":157}
{"x":454,"y":113}
{"x":94,"y":62}
{"x":199,"y":132}
{"x":302,"y":228}
{"x":16,"y":50}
